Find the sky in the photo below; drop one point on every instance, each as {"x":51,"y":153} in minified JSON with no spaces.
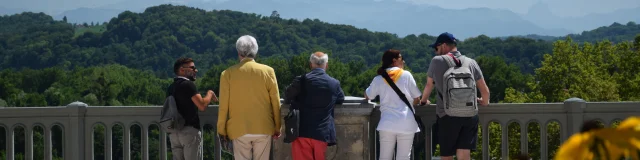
{"x":562,"y":8}
{"x":558,"y":7}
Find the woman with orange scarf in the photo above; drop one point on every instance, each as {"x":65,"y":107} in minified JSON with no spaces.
{"x":397,"y":123}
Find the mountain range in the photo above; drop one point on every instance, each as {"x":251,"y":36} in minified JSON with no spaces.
{"x":401,"y":18}
{"x":541,"y":15}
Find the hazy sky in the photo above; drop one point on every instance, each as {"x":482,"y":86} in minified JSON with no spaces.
{"x":562,"y":8}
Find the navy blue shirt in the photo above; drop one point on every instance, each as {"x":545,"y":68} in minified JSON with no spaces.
{"x":316,"y":103}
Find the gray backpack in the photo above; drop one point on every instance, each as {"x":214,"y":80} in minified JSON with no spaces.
{"x":460,"y":99}
{"x":170,"y":119}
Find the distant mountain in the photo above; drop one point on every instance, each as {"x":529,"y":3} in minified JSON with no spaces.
{"x":88,"y":15}
{"x":541,"y":14}
{"x":391,"y":16}
{"x":534,"y":36}
{"x":463,"y":23}
{"x":401,"y":18}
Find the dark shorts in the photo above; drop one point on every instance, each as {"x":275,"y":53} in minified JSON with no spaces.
{"x":457,"y":133}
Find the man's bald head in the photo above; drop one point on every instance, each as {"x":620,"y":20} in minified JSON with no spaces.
{"x":319,"y":60}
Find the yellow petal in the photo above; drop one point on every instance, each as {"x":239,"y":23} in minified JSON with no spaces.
{"x":632,"y":123}
{"x":575,"y":147}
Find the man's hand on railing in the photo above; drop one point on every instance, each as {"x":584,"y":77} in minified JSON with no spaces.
{"x":425,"y":102}
{"x":483,"y":102}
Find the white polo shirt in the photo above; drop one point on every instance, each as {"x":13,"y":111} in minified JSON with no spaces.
{"x":396,"y":117}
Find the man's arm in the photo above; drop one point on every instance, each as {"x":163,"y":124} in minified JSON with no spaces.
{"x":275,"y":101}
{"x":292,"y":90}
{"x":224,"y":104}
{"x":190,"y":88}
{"x":202,"y":103}
{"x":484,"y":91}
{"x":480,"y":84}
{"x":428,"y":87}
{"x":340,"y":99}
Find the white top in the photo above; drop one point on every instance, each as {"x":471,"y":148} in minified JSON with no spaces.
{"x":396,"y":116}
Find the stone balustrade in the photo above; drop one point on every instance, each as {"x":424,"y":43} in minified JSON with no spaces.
{"x":356,"y":121}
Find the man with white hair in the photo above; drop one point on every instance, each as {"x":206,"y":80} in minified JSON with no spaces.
{"x":314,"y":94}
{"x":249,"y":111}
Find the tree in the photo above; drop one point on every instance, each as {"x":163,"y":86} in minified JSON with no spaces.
{"x":3,"y":103}
{"x":501,"y":76}
{"x":275,"y":14}
{"x":64,"y":19}
{"x":46,"y":64}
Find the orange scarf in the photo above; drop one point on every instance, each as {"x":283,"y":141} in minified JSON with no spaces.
{"x":394,"y":74}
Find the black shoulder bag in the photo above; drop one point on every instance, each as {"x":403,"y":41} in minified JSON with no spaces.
{"x":418,"y":138}
{"x":292,"y":120}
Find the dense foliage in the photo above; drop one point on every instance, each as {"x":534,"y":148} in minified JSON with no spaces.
{"x":154,"y":39}
{"x":615,"y":32}
{"x":53,"y":63}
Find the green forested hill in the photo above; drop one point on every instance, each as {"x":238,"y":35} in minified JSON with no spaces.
{"x":153,"y":39}
{"x":615,"y":32}
{"x":149,"y":42}
{"x":43,"y":62}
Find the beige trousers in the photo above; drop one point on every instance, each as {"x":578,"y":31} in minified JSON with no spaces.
{"x":252,"y":148}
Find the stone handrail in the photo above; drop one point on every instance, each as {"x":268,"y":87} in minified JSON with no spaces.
{"x":356,"y":121}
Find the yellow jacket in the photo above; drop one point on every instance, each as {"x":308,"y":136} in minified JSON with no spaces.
{"x":249,"y":95}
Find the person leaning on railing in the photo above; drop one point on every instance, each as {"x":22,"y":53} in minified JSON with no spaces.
{"x":397,"y":125}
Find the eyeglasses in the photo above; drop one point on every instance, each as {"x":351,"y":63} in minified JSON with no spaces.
{"x":192,"y":67}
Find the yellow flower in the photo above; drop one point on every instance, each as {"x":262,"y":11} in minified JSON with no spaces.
{"x":605,"y":143}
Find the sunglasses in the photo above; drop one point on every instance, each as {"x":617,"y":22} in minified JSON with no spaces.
{"x":192,"y":67}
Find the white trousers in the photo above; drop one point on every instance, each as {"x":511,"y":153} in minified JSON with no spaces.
{"x":388,"y":143}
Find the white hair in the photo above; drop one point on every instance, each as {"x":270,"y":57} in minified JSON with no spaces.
{"x":247,"y":46}
{"x":319,"y":61}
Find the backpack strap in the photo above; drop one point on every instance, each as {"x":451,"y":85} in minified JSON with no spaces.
{"x":173,"y":88}
{"x":465,"y":62}
{"x":451,"y":60}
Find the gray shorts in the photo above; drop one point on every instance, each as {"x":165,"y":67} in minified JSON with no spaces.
{"x":186,"y":144}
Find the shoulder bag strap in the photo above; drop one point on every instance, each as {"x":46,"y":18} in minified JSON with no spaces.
{"x":302,"y":80}
{"x":395,"y":88}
